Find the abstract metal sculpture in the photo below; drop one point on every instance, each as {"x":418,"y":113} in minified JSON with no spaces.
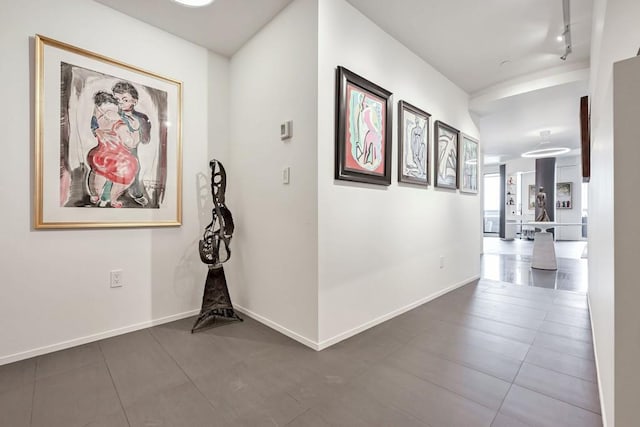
{"x":216,"y":302}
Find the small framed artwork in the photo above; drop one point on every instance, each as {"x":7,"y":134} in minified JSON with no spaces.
{"x":563,"y":196}
{"x":363,"y":139}
{"x":108,"y":142}
{"x":532,"y":197}
{"x":469,"y":153}
{"x":446,"y":155}
{"x":413,"y":144}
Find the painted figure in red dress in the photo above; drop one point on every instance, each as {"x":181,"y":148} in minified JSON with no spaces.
{"x":139,"y":127}
{"x":113,"y":166}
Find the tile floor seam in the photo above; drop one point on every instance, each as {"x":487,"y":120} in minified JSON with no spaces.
{"x":564,"y":336}
{"x":496,"y":320}
{"x":510,"y":387}
{"x":182,"y":370}
{"x":564,"y":324}
{"x":557,"y":399}
{"x":388,"y":404}
{"x":592,"y":360}
{"x":453,"y":391}
{"x":431,"y":334}
{"x":33,"y":395}
{"x":391,"y":405}
{"x":115,"y":387}
{"x":559,"y":372}
{"x":487,"y":332}
{"x":460,"y":362}
{"x":33,"y":399}
{"x":295,"y":418}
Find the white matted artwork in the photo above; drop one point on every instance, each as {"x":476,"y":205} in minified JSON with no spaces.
{"x":563,"y":196}
{"x":446,"y":155}
{"x":413,"y":144}
{"x":469,"y":149}
{"x":108,"y":142}
{"x":532,"y":197}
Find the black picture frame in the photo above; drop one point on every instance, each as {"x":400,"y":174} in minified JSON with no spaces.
{"x":469,"y":161}
{"x":369,"y":119}
{"x":447,"y":147}
{"x":413,"y":144}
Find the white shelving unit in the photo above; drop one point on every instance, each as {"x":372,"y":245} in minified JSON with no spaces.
{"x":512,"y":210}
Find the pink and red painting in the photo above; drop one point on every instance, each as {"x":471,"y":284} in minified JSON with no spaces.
{"x":363,"y":140}
{"x":108,"y":142}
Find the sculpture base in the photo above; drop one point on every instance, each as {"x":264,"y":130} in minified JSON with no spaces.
{"x":544,"y":252}
{"x":216,"y":302}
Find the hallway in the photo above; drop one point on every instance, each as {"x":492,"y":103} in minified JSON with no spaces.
{"x":488,"y":354}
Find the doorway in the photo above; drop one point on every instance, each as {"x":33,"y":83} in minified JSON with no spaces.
{"x":491,"y":204}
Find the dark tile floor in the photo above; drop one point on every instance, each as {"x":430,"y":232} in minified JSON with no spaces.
{"x":488,"y":354}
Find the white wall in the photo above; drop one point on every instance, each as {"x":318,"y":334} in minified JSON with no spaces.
{"x":55,"y":288}
{"x":569,"y":169}
{"x":379,"y":247}
{"x":528,"y":178}
{"x":274,"y":264}
{"x":626,"y":135}
{"x":513,"y":167}
{"x":616,"y":36}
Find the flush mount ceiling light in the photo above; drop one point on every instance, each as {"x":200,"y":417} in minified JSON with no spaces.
{"x":194,"y":3}
{"x":546,"y":152}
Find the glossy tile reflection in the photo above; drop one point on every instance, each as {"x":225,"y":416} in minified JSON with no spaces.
{"x":510,"y":261}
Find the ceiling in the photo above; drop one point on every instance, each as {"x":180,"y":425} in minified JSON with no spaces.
{"x":222,"y":27}
{"x":515,"y":123}
{"x":479,"y":45}
{"x":468,"y":40}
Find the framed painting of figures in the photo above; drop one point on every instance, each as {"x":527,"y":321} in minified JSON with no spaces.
{"x":413,"y":144}
{"x":563,"y":195}
{"x":469,"y":152}
{"x":446,"y":155}
{"x":363,"y":137}
{"x":108,"y":147}
{"x":532,"y":197}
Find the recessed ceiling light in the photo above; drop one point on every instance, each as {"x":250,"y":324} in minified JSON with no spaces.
{"x":559,"y":38}
{"x":546,"y":152}
{"x":194,"y":3}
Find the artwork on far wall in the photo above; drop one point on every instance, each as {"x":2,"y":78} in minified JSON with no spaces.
{"x":469,"y":152}
{"x":446,"y":155}
{"x":363,"y":137}
{"x":563,"y":196}
{"x":413,"y":144}
{"x":108,"y":142}
{"x":532,"y":197}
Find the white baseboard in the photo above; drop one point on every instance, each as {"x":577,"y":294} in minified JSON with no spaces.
{"x":351,"y":332}
{"x":274,"y":325}
{"x":95,"y":337}
{"x":278,"y":327}
{"x":595,"y":352}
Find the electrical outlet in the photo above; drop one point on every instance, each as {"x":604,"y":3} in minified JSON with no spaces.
{"x":441,"y":262}
{"x":115,"y":277}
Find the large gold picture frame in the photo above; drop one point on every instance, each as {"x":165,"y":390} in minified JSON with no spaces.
{"x":108,"y":144}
